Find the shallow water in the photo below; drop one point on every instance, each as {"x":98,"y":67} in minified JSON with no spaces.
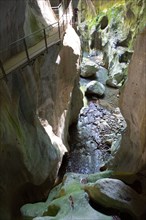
{"x":91,"y":138}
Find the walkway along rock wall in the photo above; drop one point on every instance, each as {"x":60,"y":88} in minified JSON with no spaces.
{"x":37,"y":106}
{"x":19,"y":19}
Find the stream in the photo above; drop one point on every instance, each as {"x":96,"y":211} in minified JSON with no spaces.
{"x":97,"y":134}
{"x":95,"y":138}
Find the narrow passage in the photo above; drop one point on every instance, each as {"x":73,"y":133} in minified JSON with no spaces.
{"x":97,"y":134}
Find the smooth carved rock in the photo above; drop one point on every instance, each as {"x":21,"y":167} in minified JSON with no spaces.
{"x":88,"y":68}
{"x":113,"y":193}
{"x":134,"y":92}
{"x":95,"y":87}
{"x":34,"y":124}
{"x":66,"y":201}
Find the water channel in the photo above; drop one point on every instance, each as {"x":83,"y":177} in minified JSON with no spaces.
{"x":96,"y":135}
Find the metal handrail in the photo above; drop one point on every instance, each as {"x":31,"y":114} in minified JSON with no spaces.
{"x":33,"y":33}
{"x":58,"y":25}
{"x":57,"y":7}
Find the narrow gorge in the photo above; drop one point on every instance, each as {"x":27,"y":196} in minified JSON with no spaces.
{"x":72,"y":110}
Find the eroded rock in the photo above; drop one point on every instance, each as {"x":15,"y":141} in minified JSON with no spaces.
{"x":29,"y":116}
{"x":70,"y":199}
{"x":88,"y":68}
{"x":113,"y":193}
{"x":66,"y":201}
{"x":95,"y":88}
{"x":135,"y":114}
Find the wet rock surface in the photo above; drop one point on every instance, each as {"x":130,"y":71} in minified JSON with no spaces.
{"x":91,"y":139}
{"x":113,"y":193}
{"x":95,"y":87}
{"x":79,"y":196}
{"x":88,"y":67}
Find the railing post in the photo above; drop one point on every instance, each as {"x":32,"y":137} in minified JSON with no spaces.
{"x":59,"y":30}
{"x":26,"y":50}
{"x":3,"y":71}
{"x":45,"y":38}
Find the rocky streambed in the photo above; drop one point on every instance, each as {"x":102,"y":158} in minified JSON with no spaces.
{"x":95,"y":138}
{"x":97,"y":135}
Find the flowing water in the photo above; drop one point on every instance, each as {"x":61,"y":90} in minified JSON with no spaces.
{"x":97,"y":132}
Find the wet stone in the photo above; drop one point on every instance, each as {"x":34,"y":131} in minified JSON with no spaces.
{"x":95,"y":132}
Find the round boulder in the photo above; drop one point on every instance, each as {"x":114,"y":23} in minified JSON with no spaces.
{"x":95,"y":87}
{"x":88,"y":68}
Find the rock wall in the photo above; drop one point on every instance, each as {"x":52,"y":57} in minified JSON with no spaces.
{"x":36,"y":103}
{"x":112,"y":27}
{"x":37,"y":106}
{"x":19,"y":19}
{"x":131,"y":156}
{"x":12,"y":17}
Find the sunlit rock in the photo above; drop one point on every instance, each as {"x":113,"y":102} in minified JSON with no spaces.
{"x":88,"y":68}
{"x":113,"y":193}
{"x":95,"y":88}
{"x":67,"y":201}
{"x":37,"y":107}
{"x":70,"y":199}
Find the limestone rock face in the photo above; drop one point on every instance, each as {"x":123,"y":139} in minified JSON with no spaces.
{"x":118,"y":33}
{"x":112,"y":28}
{"x":38,"y":15}
{"x":36,"y":110}
{"x":11,"y":17}
{"x":132,"y":153}
{"x":24,"y":17}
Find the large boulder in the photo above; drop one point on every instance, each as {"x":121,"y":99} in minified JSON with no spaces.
{"x":95,"y":88}
{"x":88,"y":68}
{"x":113,"y":193}
{"x":70,"y":199}
{"x":66,"y":201}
